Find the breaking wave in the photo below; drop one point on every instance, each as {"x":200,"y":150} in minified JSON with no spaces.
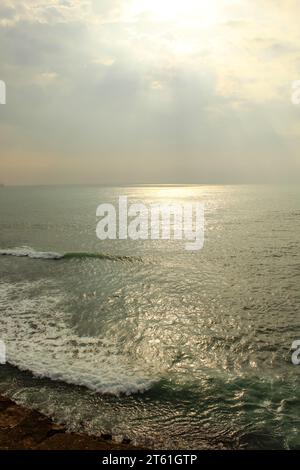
{"x":45,"y":345}
{"x":28,"y":252}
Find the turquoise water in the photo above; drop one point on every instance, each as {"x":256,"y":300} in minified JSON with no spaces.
{"x":146,"y":340}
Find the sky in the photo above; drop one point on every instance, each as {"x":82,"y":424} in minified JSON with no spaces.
{"x":149,"y":91}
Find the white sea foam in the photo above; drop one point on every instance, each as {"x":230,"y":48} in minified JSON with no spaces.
{"x":39,"y":338}
{"x":26,"y":251}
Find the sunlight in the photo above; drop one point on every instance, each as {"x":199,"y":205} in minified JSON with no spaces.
{"x":184,"y":25}
{"x":203,"y":12}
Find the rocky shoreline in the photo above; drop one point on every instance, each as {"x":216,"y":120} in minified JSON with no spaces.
{"x":25,"y":429}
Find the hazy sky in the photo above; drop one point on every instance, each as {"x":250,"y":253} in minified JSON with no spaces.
{"x":142,"y":91}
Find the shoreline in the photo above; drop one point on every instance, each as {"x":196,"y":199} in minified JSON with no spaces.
{"x":25,"y":429}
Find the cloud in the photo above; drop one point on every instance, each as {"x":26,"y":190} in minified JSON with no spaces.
{"x":98,"y":93}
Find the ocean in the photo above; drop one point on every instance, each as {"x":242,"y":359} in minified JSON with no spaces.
{"x":143,"y":339}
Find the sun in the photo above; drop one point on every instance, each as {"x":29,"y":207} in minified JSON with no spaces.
{"x":178,"y":28}
{"x":202,"y":12}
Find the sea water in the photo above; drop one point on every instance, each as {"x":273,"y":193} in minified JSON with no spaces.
{"x":143,"y":339}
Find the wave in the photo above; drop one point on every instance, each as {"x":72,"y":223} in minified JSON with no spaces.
{"x":28,"y":252}
{"x":100,"y":256}
{"x":39,"y":340}
{"x":25,"y":251}
{"x":123,"y":385}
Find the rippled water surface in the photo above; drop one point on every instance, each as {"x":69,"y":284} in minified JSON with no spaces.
{"x":144,"y":339}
